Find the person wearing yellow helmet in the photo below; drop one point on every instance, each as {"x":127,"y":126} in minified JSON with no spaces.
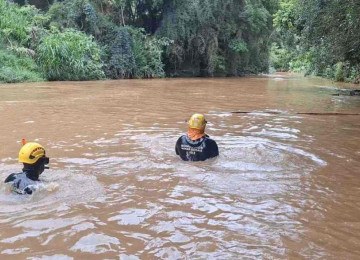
{"x":196,"y":145}
{"x":33,"y":157}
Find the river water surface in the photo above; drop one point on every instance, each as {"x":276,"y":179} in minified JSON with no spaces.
{"x":285,"y":186}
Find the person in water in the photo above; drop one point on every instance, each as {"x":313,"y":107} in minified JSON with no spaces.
{"x":196,"y":145}
{"x":33,"y":156}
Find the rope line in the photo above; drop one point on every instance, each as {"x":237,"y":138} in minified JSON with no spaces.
{"x":300,"y":113}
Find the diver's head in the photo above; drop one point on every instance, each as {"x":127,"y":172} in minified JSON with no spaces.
{"x":197,"y":121}
{"x":33,"y":156}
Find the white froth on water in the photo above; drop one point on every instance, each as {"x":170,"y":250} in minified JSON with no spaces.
{"x":128,"y":257}
{"x":96,"y":243}
{"x":57,"y":187}
{"x":134,"y":216}
{"x":51,"y":257}
{"x":15,"y":251}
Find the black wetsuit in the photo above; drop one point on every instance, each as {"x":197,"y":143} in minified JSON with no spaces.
{"x":24,"y":182}
{"x":198,"y":150}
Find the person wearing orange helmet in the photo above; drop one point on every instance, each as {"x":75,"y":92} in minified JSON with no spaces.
{"x":34,"y":159}
{"x":196,"y":145}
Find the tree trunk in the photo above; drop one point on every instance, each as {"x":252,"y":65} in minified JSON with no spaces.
{"x":122,"y":15}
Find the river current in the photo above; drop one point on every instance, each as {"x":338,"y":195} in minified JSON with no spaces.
{"x":285,"y":186}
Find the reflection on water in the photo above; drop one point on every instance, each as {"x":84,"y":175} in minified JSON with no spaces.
{"x":284,"y":185}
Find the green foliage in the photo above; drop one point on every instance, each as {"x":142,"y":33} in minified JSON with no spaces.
{"x":59,"y":15}
{"x":17,"y":68}
{"x":353,"y":74}
{"x":280,"y":58}
{"x":17,"y":23}
{"x":141,"y":39}
{"x":339,"y":72}
{"x":257,"y":16}
{"x":219,"y":64}
{"x":302,"y":62}
{"x":343,"y":71}
{"x":128,"y":51}
{"x":214,"y":36}
{"x":238,"y":46}
{"x":77,"y":14}
{"x":121,"y":62}
{"x":148,"y":54}
{"x":285,"y":17}
{"x":133,"y":54}
{"x":69,"y":55}
{"x":19,"y":28}
{"x":328,"y":30}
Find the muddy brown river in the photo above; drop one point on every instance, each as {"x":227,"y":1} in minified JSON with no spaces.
{"x":285,"y":186}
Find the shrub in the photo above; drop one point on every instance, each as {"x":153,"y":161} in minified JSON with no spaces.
{"x":339,"y":71}
{"x":130,"y":53}
{"x":120,"y":56}
{"x":147,"y":53}
{"x":16,"y":68}
{"x":354,"y":74}
{"x":280,"y":58}
{"x":69,"y":55}
{"x":16,"y":22}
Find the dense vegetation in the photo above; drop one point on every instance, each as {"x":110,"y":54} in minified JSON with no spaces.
{"x":319,"y":37}
{"x":95,"y":39}
{"x":18,"y":28}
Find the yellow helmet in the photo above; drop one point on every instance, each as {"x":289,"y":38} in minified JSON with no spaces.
{"x":197,"y":121}
{"x":31,"y":152}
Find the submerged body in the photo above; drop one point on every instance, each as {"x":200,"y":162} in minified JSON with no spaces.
{"x":196,"y":145}
{"x":34,"y":159}
{"x":196,"y":150}
{"x":22,"y":183}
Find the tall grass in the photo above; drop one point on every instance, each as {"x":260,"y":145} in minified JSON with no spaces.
{"x":17,"y":68}
{"x":69,"y":55}
{"x":16,"y":22}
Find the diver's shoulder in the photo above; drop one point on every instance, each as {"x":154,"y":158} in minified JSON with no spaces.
{"x":182,"y":138}
{"x":209,"y":139}
{"x":210,"y":142}
{"x":13,"y":177}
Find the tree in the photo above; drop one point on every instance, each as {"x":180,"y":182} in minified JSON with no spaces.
{"x":217,"y":36}
{"x":322,"y":34}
